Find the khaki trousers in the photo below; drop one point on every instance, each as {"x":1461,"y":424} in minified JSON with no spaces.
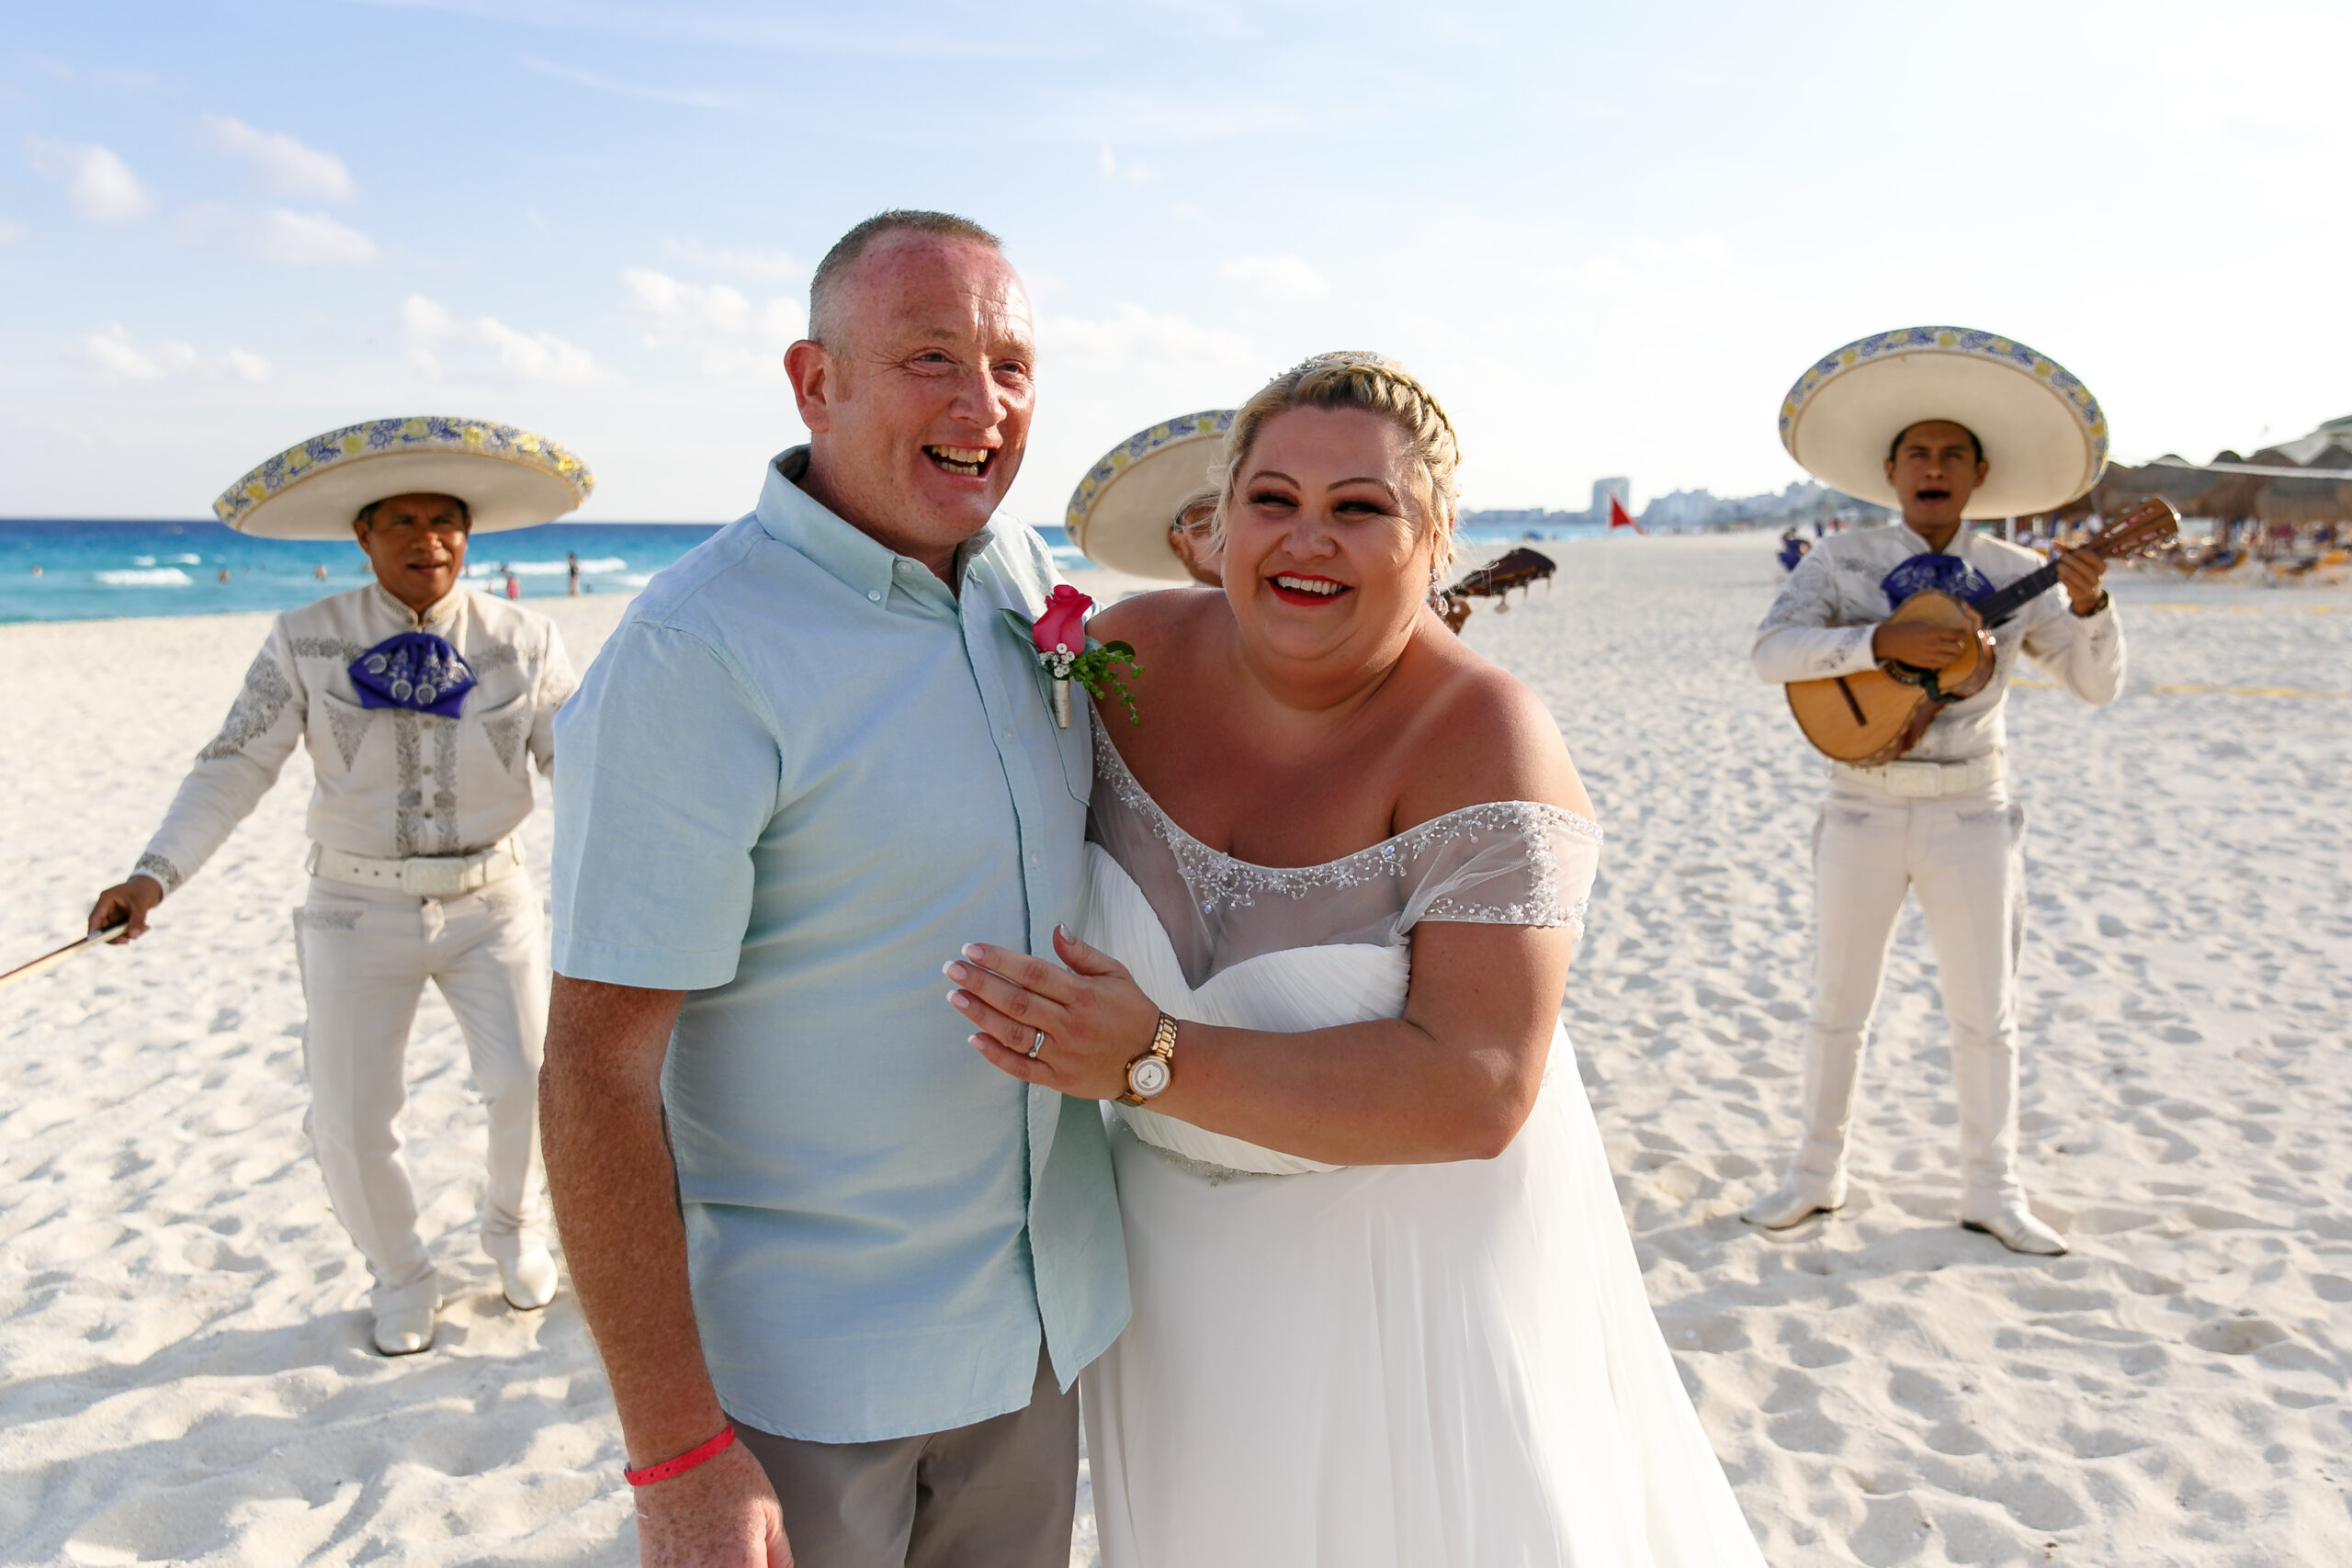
{"x":1000,"y":1493}
{"x":1961,"y":856}
{"x":366,"y":954}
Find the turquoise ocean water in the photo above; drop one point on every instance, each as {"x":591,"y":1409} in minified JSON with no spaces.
{"x":102,"y":570}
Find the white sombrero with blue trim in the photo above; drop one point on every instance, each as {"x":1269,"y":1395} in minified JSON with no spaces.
{"x":1120,"y":512}
{"x":507,"y":478}
{"x":2045,"y":439}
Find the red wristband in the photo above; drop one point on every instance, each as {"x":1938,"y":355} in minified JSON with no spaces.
{"x":684,"y":1462}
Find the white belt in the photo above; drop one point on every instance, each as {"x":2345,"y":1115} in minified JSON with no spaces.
{"x":421,"y":876}
{"x":1925,"y":780}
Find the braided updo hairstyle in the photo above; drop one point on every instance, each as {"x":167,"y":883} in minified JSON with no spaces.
{"x":1355,"y":378}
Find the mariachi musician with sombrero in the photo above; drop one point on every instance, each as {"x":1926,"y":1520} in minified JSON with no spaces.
{"x":1947,"y":425}
{"x":1143,"y":507}
{"x":423,"y":705}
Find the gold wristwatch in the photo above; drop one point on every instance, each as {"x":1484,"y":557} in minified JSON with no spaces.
{"x":1151,"y":1073}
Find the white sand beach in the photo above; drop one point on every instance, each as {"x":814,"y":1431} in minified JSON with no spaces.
{"x":185,"y":1375}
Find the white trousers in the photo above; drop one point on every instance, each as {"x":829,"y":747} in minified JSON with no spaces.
{"x":366,"y":955}
{"x":1962,"y":855}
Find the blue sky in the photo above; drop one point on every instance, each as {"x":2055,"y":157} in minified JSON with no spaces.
{"x":1609,"y":236}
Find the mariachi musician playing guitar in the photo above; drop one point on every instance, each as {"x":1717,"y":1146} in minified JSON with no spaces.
{"x":1938,"y":820}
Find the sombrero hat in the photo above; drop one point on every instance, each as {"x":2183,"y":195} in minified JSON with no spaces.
{"x":1120,"y":512}
{"x":508,"y":477}
{"x":2044,"y":434}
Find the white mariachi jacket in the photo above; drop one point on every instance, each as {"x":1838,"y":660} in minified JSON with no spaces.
{"x":1821,"y":626}
{"x":392,"y":782}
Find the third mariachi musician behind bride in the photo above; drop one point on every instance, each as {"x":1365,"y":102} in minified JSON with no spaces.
{"x":1960,"y":424}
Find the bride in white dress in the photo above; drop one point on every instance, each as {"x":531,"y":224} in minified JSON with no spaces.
{"x":1387,"y":1311}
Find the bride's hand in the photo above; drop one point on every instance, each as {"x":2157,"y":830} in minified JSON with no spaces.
{"x":1094,"y":1019}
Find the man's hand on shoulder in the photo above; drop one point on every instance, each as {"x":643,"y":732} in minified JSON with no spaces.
{"x":722,"y":1513}
{"x":134,"y":901}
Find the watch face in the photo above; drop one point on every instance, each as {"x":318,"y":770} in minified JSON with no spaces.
{"x":1147,"y":1077}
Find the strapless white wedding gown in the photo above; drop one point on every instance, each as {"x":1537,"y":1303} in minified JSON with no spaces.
{"x":1377,"y":1366}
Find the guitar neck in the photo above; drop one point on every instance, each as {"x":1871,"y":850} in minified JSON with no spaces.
{"x":2001,"y":603}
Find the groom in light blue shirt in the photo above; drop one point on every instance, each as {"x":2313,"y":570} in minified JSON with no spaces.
{"x":813,"y":761}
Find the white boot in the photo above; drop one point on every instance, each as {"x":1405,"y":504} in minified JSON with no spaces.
{"x":1798,"y":1198}
{"x":529,"y":1281}
{"x":2014,"y":1226}
{"x":1985,"y":1079}
{"x":1816,"y":1177}
{"x":404,"y":1331}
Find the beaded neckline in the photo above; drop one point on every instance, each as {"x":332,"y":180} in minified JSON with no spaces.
{"x":1214,"y":878}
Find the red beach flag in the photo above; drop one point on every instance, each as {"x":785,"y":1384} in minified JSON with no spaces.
{"x":1620,"y":518}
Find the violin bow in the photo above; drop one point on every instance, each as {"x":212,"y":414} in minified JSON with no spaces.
{"x":26,"y":971}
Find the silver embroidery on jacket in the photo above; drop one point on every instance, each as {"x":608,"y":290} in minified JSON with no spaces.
{"x":408,"y":799}
{"x":265,"y":696}
{"x":349,"y":725}
{"x":332,"y":648}
{"x":162,"y":870}
{"x":445,"y":789}
{"x":506,"y":737}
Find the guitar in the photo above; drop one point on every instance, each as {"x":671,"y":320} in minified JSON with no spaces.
{"x":1493,"y":580}
{"x":1876,"y":715}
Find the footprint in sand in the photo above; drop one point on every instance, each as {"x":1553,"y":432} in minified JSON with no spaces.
{"x":2237,"y":1335}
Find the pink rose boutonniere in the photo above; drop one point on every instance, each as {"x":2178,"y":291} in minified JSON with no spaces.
{"x":1059,"y":638}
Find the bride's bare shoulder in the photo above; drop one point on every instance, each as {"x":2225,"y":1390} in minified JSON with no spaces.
{"x":1478,"y":734}
{"x":1144,"y":620}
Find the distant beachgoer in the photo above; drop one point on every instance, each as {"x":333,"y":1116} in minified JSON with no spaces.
{"x":321,"y":573}
{"x":36,"y":569}
{"x":1939,"y":823}
{"x":571,"y":568}
{"x":224,"y":575}
{"x":513,"y":585}
{"x":422,"y":707}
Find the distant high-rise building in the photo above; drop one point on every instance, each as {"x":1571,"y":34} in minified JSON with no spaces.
{"x":1619,"y":487}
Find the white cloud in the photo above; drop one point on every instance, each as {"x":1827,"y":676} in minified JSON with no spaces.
{"x":114,"y":353}
{"x":541,"y":357}
{"x":287,"y":167}
{"x":1108,"y":163}
{"x":307,"y":239}
{"x":719,"y":323}
{"x":767,"y":267}
{"x":690,"y":98}
{"x":278,"y":235}
{"x":532,"y":356}
{"x":1277,"y":277}
{"x":10,"y":233}
{"x":1133,"y":335}
{"x":423,"y":317}
{"x":98,"y":185}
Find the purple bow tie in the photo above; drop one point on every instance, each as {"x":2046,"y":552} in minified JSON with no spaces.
{"x":416,"y":671}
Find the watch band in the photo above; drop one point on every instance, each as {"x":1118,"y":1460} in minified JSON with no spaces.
{"x":1163,"y":1049}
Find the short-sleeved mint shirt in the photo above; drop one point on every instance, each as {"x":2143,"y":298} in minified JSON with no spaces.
{"x":800,"y":776}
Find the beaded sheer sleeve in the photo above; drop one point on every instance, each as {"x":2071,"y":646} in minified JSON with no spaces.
{"x":1517,"y":863}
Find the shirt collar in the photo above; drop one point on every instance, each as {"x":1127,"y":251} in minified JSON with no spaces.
{"x":437,"y":615}
{"x":854,"y":557}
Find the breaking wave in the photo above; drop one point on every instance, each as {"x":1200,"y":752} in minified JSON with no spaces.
{"x":146,"y":577}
